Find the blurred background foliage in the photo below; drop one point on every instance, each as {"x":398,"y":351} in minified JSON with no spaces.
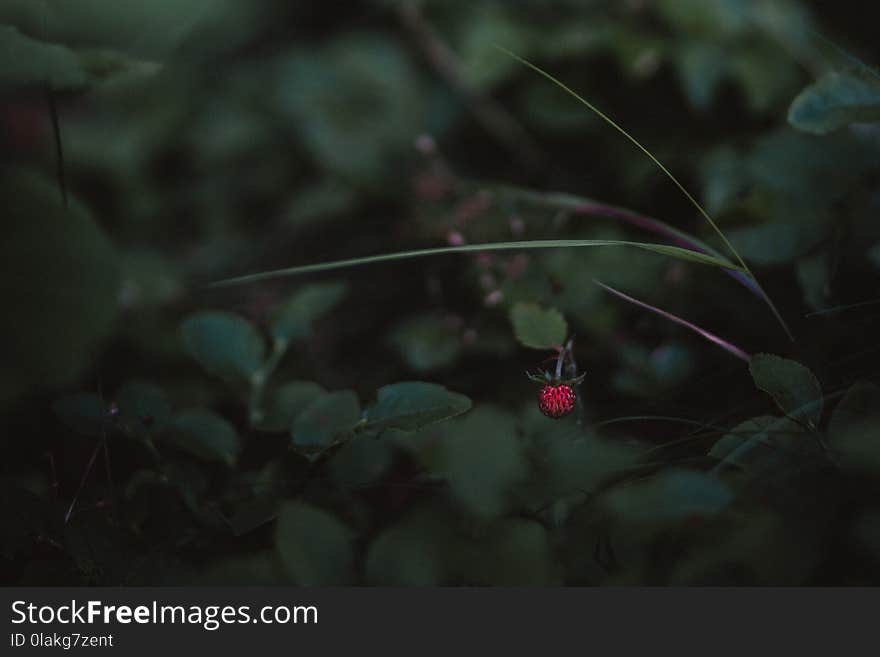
{"x":373,"y":425}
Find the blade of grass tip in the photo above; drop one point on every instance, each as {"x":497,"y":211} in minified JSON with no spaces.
{"x":840,"y":309}
{"x":673,"y":251}
{"x":711,"y":337}
{"x":840,"y":50}
{"x":571,"y":92}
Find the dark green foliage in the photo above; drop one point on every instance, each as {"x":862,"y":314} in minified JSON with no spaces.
{"x":373,"y":424}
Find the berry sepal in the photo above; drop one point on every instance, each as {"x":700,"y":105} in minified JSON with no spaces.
{"x":547,"y":378}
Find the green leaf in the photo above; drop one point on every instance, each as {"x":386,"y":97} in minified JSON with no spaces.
{"x":293,"y":319}
{"x":286,"y":402}
{"x":537,"y":327}
{"x":355,"y":102}
{"x":792,"y":386}
{"x":143,"y":404}
{"x":858,"y":447}
{"x":481,"y":457}
{"x":204,"y":434}
{"x":360,"y":461}
{"x":253,"y":515}
{"x":84,"y":412}
{"x":409,"y":406}
{"x":27,"y":61}
{"x":156,"y":27}
{"x":834,"y":101}
{"x":61,"y":285}
{"x":325,"y":418}
{"x":667,"y":497}
{"x":860,"y":404}
{"x":314,"y":546}
{"x":761,"y":442}
{"x":426,"y":343}
{"x":224,"y":344}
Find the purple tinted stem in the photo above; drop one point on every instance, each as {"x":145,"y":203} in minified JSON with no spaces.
{"x":711,"y":337}
{"x":658,"y":227}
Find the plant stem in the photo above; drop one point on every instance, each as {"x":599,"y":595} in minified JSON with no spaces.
{"x":261,"y":378}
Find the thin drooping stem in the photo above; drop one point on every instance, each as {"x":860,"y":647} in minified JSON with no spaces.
{"x":711,"y":337}
{"x":82,"y":481}
{"x":690,"y":197}
{"x":256,"y":411}
{"x":59,"y":149}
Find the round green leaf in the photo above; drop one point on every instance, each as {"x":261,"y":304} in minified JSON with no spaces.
{"x":426,"y":343}
{"x":224,"y":344}
{"x":294,"y":318}
{"x":834,"y":101}
{"x":482,"y":458}
{"x":792,"y":386}
{"x":61,"y":283}
{"x":325,"y":418}
{"x":286,"y":402}
{"x":536,"y":327}
{"x":411,"y":405}
{"x":204,"y":434}
{"x":314,"y":546}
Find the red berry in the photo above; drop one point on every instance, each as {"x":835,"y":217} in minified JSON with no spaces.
{"x":556,"y":401}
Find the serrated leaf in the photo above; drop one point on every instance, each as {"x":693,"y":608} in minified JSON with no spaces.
{"x":537,"y":327}
{"x":314,"y":546}
{"x":793,"y":387}
{"x":834,"y":101}
{"x":325,"y":418}
{"x":293,"y":319}
{"x":204,"y":434}
{"x":411,"y":405}
{"x":223,"y":344}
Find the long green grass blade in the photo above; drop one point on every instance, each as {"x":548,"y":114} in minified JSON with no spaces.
{"x":690,"y":197}
{"x":664,"y":249}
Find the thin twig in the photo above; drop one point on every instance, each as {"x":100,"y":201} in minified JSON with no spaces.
{"x":494,"y":118}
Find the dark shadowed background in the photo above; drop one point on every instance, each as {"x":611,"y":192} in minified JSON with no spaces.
{"x":374,"y":424}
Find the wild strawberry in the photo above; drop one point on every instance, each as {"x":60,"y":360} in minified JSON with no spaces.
{"x":556,"y":401}
{"x":557,"y":397}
